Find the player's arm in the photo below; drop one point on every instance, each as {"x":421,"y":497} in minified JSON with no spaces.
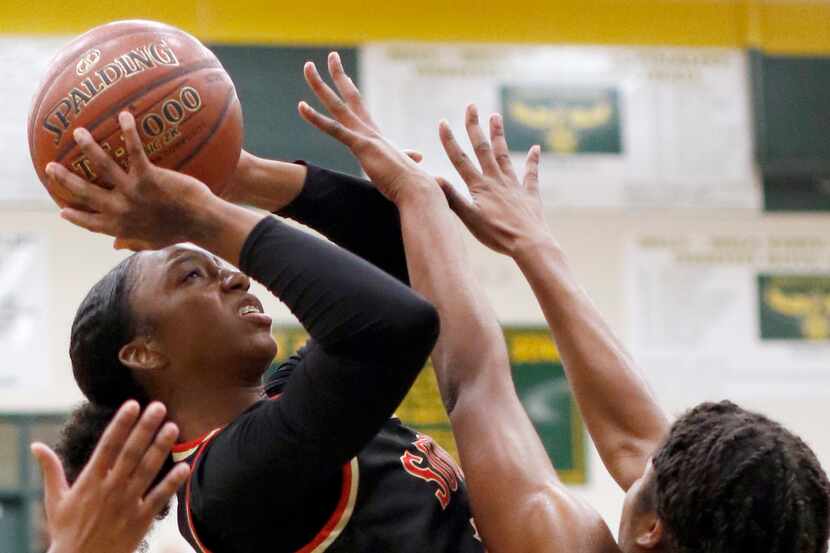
{"x":619,"y":410}
{"x":349,"y":211}
{"x":111,"y":506}
{"x":518,"y":501}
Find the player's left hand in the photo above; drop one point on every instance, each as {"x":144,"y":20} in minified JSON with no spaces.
{"x":394,"y":172}
{"x":504,"y":213}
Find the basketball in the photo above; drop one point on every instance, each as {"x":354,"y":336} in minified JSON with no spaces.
{"x":185,"y":104}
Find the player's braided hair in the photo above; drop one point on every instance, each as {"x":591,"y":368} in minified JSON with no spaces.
{"x":103,"y":324}
{"x":730,"y":480}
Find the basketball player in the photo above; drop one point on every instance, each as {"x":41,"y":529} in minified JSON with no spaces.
{"x":109,"y":508}
{"x":720,"y":479}
{"x":321,"y":465}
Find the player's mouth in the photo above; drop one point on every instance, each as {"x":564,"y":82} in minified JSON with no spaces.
{"x":251,"y":310}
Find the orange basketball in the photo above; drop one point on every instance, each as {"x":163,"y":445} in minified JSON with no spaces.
{"x":184,"y":103}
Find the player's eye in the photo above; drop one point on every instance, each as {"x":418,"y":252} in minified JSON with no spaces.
{"x":195,"y":274}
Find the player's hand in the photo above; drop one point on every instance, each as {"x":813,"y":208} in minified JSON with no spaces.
{"x":395,"y":173}
{"x":110,"y":507}
{"x":146,"y":207}
{"x":504,"y":212}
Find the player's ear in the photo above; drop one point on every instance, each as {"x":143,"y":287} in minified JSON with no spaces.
{"x":140,"y":354}
{"x":651,"y":534}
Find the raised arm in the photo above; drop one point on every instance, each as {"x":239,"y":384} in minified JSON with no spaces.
{"x":372,"y":333}
{"x":619,"y":410}
{"x":518,"y":501}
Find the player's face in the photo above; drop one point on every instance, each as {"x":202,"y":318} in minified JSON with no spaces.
{"x":201,"y":316}
{"x":638,"y":512}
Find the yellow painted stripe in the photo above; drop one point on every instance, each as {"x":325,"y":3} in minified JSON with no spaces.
{"x":784,"y":26}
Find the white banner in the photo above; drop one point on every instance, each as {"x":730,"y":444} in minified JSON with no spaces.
{"x":733,"y":315}
{"x":619,"y":126}
{"x":23,"y":64}
{"x":24,"y":304}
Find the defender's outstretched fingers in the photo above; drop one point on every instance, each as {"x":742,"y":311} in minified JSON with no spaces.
{"x":139,"y":162}
{"x":531,"y":180}
{"x":116,"y":433}
{"x":329,"y":126}
{"x":500,"y":149}
{"x":458,"y":203}
{"x":330,"y":100}
{"x":158,"y":497}
{"x":87,"y":196}
{"x":459,"y":159}
{"x":153,"y":459}
{"x":137,"y":443}
{"x":348,"y":90}
{"x":480,"y":143}
{"x":106,"y":167}
{"x":93,"y":222}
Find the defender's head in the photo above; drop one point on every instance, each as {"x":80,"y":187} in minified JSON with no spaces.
{"x":727,"y":480}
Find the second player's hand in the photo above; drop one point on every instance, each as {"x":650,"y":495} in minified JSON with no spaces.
{"x":111,"y":505}
{"x":395,"y":173}
{"x":505,"y":213}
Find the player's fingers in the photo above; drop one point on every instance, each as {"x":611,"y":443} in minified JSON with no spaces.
{"x":112,"y":440}
{"x":61,"y":195}
{"x":460,"y":160}
{"x":500,"y":149}
{"x":333,"y":128}
{"x":106,"y":167}
{"x":153,"y":459}
{"x":332,"y":102}
{"x":455,"y":199}
{"x":93,"y":222}
{"x":414,"y":155}
{"x":138,"y":160}
{"x":531,"y":180}
{"x":349,"y":91}
{"x":137,"y":443}
{"x":481,"y":146}
{"x":86,"y":196}
{"x":54,"y":479}
{"x":158,"y":497}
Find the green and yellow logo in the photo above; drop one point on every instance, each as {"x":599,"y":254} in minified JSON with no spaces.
{"x":794,"y":307}
{"x":562,"y":120}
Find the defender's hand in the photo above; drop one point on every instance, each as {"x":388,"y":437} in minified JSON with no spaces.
{"x":504,"y":213}
{"x":393,"y":172}
{"x":145,"y":207}
{"x":110,"y":507}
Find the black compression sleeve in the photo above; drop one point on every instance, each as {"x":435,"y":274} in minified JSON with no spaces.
{"x":372,"y":336}
{"x":351,"y":213}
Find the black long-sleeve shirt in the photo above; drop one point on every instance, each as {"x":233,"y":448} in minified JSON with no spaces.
{"x":279,"y":474}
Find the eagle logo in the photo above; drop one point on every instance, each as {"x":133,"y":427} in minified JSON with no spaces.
{"x":810,"y":306}
{"x":563,"y":120}
{"x":561,"y":125}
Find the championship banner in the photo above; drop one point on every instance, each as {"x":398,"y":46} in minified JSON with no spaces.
{"x":24,"y":304}
{"x":618,"y":126}
{"x":540,"y":383}
{"x":733,"y":315}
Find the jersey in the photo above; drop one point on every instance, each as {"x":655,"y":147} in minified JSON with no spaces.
{"x":401,"y":493}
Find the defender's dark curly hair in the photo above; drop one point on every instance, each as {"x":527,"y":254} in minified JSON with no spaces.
{"x":103,"y":324}
{"x":729,"y":480}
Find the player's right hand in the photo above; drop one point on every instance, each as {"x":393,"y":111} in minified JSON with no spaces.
{"x":147,"y":207}
{"x":504,"y":213}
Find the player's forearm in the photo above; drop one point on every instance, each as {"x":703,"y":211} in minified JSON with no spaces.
{"x":470,"y":340}
{"x":621,"y":414}
{"x":264,"y":183}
